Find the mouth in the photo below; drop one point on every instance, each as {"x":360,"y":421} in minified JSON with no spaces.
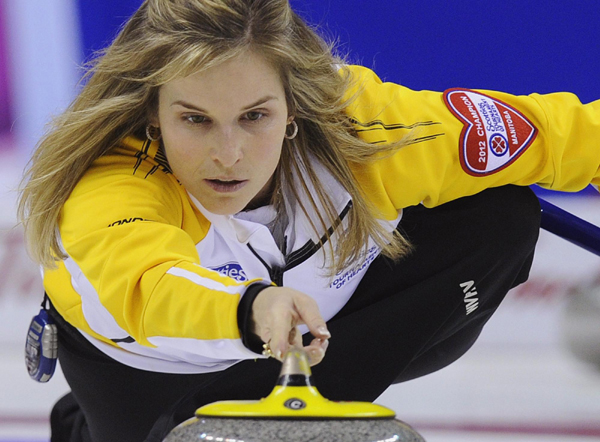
{"x":225,"y":186}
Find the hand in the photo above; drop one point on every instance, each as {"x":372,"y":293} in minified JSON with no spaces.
{"x":277,"y":312}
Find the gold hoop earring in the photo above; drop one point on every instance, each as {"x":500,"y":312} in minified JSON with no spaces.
{"x":294,"y":133}
{"x":153,"y":133}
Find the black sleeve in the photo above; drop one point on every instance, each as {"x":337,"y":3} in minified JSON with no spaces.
{"x":244,"y":317}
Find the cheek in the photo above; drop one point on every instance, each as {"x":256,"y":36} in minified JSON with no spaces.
{"x":183,"y":160}
{"x":270,"y":150}
{"x":266,"y":160}
{"x":275,"y":153}
{"x":180,"y":149}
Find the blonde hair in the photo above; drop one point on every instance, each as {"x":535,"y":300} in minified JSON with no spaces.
{"x":167,"y":39}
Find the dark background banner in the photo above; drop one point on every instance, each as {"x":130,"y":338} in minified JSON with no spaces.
{"x":516,"y":46}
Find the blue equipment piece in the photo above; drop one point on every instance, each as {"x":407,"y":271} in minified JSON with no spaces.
{"x":570,"y":227}
{"x":41,"y":347}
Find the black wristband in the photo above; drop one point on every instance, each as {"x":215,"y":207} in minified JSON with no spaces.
{"x":244,"y":317}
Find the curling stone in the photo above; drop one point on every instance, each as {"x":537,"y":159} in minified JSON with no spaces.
{"x":294,"y":412}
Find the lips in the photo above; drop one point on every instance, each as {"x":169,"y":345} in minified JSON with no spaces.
{"x":225,"y":185}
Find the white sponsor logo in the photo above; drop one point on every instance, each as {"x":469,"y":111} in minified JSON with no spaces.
{"x":233,"y":270}
{"x":346,"y":275}
{"x":470,"y":291}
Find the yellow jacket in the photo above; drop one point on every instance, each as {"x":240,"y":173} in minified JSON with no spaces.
{"x":154,"y":280}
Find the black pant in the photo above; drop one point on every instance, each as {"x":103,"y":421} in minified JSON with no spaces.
{"x":405,"y":320}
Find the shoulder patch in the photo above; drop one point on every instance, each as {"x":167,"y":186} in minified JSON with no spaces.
{"x":494,"y":133}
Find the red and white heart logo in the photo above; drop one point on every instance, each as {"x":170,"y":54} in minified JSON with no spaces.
{"x":494,"y":133}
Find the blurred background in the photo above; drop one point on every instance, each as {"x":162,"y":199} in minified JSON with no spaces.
{"x":534,"y":375}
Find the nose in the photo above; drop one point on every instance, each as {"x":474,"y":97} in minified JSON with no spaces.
{"x":227,"y":148}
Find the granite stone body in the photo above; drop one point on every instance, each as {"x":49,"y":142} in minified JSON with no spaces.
{"x":273,"y":425}
{"x":293,"y":430}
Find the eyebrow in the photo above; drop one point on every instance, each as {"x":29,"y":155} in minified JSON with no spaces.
{"x":258,"y":102}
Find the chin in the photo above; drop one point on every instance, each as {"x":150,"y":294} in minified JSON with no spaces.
{"x":225,"y":208}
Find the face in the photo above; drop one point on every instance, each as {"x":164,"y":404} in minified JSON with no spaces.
{"x":223,"y":131}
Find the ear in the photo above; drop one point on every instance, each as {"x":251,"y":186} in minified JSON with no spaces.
{"x":152,"y":111}
{"x":153,"y":119}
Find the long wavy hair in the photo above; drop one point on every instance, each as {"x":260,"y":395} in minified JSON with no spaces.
{"x":167,"y":39}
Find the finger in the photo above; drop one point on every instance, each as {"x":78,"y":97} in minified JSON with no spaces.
{"x":309,"y":314}
{"x":293,"y":336}
{"x":322,"y":343}
{"x":296,"y":338}
{"x":283,"y":333}
{"x":266,"y":336}
{"x":316,"y":351}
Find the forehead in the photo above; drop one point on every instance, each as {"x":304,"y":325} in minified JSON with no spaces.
{"x":240,"y":78}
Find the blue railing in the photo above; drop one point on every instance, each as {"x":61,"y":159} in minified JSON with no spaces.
{"x":568,"y":226}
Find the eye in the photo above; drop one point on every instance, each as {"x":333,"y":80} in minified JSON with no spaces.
{"x":195,"y":119}
{"x":254,"y":115}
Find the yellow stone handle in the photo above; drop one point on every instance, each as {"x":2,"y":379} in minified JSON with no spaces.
{"x":295,"y":397}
